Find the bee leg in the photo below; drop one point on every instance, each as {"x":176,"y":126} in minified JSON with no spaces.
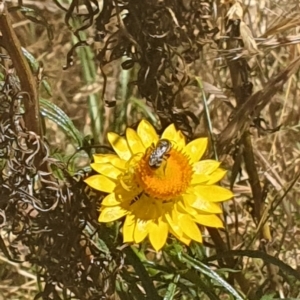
{"x":164,"y":165}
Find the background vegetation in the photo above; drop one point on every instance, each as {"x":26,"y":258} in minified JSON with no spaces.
{"x":223,"y":69}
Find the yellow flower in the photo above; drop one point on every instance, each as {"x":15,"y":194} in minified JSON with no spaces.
{"x":159,"y":185}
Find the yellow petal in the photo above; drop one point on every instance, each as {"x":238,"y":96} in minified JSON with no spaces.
{"x":190,"y":228}
{"x":198,"y":203}
{"x":196,"y":148}
{"x":106,"y":169}
{"x":103,"y":158}
{"x":175,"y":229}
{"x":147,"y":133}
{"x":134,"y":141}
{"x":112,"y":213}
{"x":180,"y":140}
{"x":209,"y":220}
{"x":206,"y":166}
{"x":199,"y":178}
{"x":110,"y":158}
{"x":183,"y":238}
{"x":158,"y":233}
{"x":120,"y":145}
{"x":170,"y":133}
{"x":174,"y":224}
{"x":101,"y":183}
{"x":110,"y":200}
{"x":185,"y":209}
{"x":141,"y":230}
{"x":128,"y":229}
{"x":216,"y":176}
{"x":213,"y":193}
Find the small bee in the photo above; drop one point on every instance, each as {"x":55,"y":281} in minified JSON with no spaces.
{"x":159,"y":153}
{"x":136,"y":198}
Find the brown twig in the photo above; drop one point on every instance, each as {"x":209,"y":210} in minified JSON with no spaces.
{"x":253,"y":106}
{"x":11,"y":43}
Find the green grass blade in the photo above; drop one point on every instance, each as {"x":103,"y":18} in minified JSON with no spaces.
{"x":199,"y":266}
{"x":58,"y":116}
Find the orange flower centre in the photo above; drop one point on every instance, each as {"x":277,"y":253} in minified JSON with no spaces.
{"x":168,"y":180}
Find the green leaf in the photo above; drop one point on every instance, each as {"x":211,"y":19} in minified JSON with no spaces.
{"x":171,"y":290}
{"x":58,"y":116}
{"x":47,"y":87}
{"x":144,"y":108}
{"x":34,"y":66}
{"x":207,"y":113}
{"x":204,"y":269}
{"x":268,"y":297}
